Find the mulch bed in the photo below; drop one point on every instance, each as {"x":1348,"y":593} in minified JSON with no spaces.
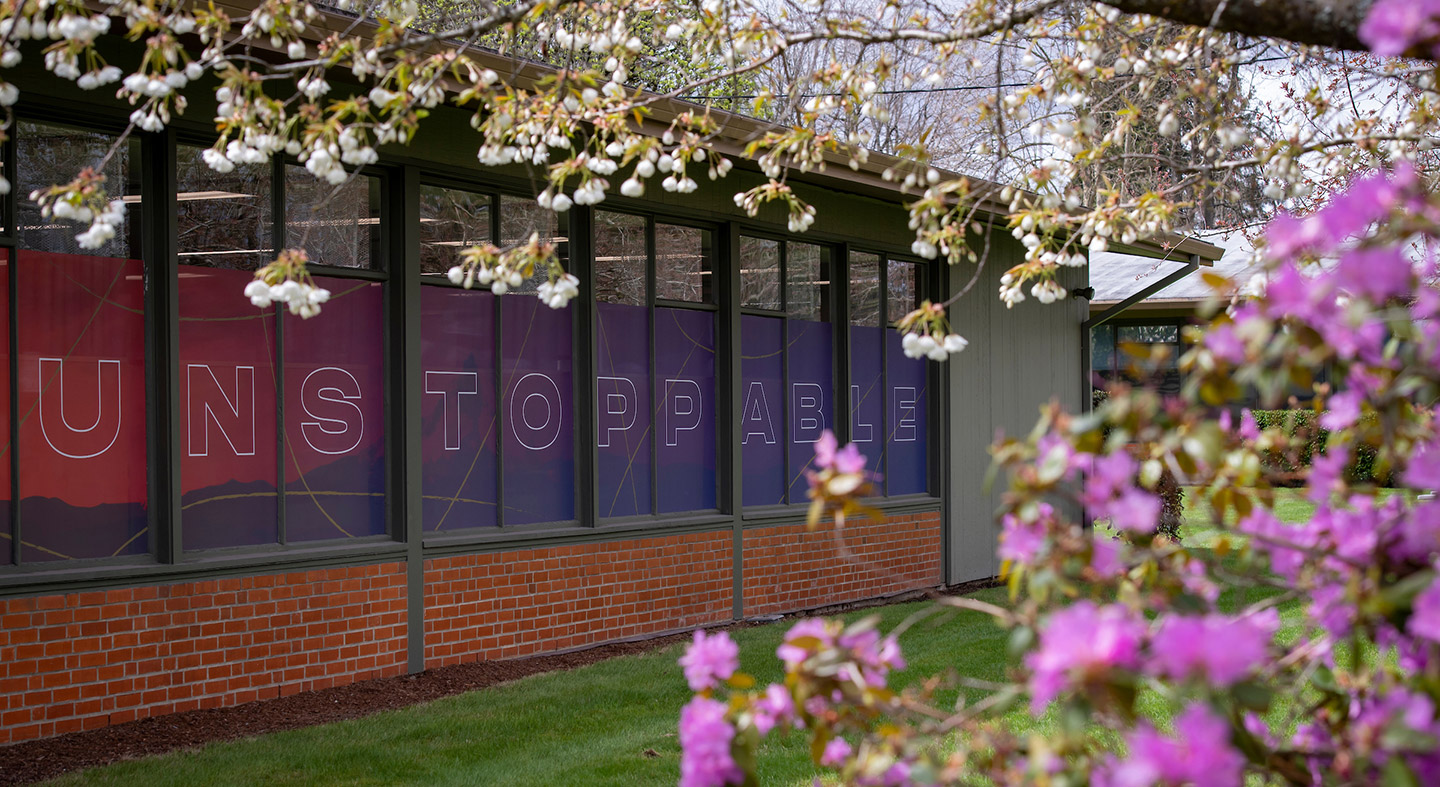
{"x":39,"y":760}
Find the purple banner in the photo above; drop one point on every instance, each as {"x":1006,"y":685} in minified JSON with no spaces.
{"x":685,"y":409}
{"x":762,"y":452}
{"x":867,"y":397}
{"x":906,"y":443}
{"x":335,"y":416}
{"x":622,"y":403}
{"x":812,"y":397}
{"x":458,"y":434}
{"x":537,"y":411}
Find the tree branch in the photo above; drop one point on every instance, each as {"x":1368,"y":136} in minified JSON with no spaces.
{"x":1328,"y":23}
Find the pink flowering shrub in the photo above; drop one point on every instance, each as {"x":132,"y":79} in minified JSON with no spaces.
{"x":1348,"y":694}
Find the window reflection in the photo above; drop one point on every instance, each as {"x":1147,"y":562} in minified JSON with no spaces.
{"x":335,"y":225}
{"x":760,"y":273}
{"x":51,"y":155}
{"x":683,"y":270}
{"x":450,"y":220}
{"x":620,"y":258}
{"x":520,"y":218}
{"x":807,"y":282}
{"x":222,"y":219}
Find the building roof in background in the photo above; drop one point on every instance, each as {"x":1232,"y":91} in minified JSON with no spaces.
{"x":1117,"y":276}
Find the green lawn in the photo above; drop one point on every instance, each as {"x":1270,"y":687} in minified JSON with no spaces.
{"x":608,"y":723}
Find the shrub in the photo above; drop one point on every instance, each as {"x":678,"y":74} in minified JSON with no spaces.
{"x":1305,"y":424}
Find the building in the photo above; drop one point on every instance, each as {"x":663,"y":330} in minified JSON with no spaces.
{"x":1141,"y":303}
{"x":207,"y":504}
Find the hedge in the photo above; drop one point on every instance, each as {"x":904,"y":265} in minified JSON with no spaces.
{"x":1360,"y":470}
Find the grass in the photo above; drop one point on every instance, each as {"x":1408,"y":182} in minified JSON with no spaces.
{"x":607,"y":723}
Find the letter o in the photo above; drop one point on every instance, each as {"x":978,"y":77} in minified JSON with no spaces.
{"x":526,"y":388}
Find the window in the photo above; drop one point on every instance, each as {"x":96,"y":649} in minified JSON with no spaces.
{"x":241,"y":369}
{"x":228,"y":374}
{"x":339,"y":228}
{"x":907,"y":425}
{"x":335,"y":416}
{"x":867,"y":354}
{"x":887,"y":390}
{"x":655,"y":376}
{"x":787,"y":366}
{"x":497,"y":417}
{"x":81,"y":387}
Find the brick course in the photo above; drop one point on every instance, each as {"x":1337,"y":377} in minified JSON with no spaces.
{"x":789,"y":568}
{"x":84,"y":660}
{"x":507,"y":604}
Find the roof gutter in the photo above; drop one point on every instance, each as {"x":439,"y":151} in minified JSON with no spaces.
{"x":1145,"y":292}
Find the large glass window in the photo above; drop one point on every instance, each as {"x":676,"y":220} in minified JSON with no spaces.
{"x":497,"y":413}
{"x":655,"y":378}
{"x":888,"y":404}
{"x":451,"y":220}
{"x":906,"y":445}
{"x":867,"y":343}
{"x":228,"y":353}
{"x":81,"y":386}
{"x":787,"y":366}
{"x":335,"y":416}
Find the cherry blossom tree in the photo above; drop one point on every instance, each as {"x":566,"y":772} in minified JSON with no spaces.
{"x":1101,"y":616}
{"x":330,"y":85}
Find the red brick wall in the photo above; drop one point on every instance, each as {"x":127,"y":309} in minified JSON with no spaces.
{"x":788,"y":568}
{"x":84,"y":660}
{"x":507,"y":604}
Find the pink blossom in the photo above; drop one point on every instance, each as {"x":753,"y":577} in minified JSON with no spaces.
{"x":1423,"y":471}
{"x":710,"y":660}
{"x":775,"y":706}
{"x":1200,"y":754}
{"x":1136,"y":510}
{"x":1343,"y":413}
{"x":849,"y":459}
{"x":1105,"y":557}
{"x":1377,"y":273}
{"x":1022,"y":541}
{"x":1425,"y":616}
{"x":837,"y":751}
{"x":1216,"y":648}
{"x":1393,"y":27}
{"x":875,"y":657}
{"x":1249,"y":430}
{"x":1225,"y":343}
{"x":1326,"y":471}
{"x":705,"y":736}
{"x":825,"y":449}
{"x":1109,"y":475}
{"x":1078,"y":642}
{"x":1418,"y":533}
{"x":794,"y":655}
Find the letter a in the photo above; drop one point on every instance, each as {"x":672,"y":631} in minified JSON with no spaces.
{"x":756,"y":415}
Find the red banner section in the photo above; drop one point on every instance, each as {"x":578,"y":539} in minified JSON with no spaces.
{"x":82,"y":406}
